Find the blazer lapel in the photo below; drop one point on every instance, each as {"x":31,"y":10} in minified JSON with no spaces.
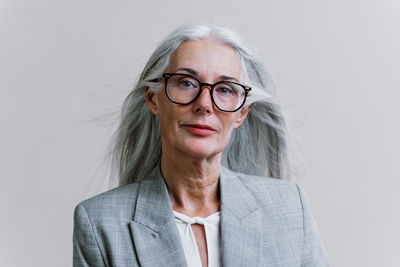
{"x":241,"y":223}
{"x":156,"y":238}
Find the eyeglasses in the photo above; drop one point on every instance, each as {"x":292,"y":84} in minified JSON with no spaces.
{"x":184,"y":89}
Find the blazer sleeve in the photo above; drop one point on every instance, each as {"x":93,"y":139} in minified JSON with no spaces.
{"x":86,"y":251}
{"x":313,"y":252}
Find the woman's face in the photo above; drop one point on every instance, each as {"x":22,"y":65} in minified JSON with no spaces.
{"x":198,"y":130}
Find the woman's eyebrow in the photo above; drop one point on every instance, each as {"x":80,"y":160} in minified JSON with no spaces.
{"x":195,"y":73}
{"x":191,"y":71}
{"x":225,"y":77}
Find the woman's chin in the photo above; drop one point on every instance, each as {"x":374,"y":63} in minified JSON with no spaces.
{"x":202,"y":150}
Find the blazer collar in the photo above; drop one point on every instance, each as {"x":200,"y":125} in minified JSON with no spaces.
{"x":157,"y":240}
{"x":241,"y":225}
{"x":235,"y":197}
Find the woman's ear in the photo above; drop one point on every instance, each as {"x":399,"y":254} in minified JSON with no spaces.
{"x":243,"y":114}
{"x":152,"y":101}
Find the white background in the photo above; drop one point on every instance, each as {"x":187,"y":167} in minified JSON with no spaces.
{"x":65,"y":66}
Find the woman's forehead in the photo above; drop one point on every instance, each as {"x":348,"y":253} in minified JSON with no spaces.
{"x":208,"y":58}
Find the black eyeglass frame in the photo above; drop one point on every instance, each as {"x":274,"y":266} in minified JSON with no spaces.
{"x":166,"y":76}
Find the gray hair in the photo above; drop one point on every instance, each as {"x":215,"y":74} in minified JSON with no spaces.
{"x":257,"y":147}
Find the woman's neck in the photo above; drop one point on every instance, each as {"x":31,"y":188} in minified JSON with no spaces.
{"x":193,"y":184}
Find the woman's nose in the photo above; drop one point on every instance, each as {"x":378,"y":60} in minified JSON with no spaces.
{"x":203,"y":104}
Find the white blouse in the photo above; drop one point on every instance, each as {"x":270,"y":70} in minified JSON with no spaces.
{"x":213,"y":238}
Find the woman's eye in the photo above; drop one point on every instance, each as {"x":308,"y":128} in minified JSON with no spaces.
{"x":224,"y":90}
{"x":186,"y":84}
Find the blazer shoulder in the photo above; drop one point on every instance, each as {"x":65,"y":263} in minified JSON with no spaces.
{"x":276,"y":190}
{"x":266,"y":182}
{"x":118,"y":200}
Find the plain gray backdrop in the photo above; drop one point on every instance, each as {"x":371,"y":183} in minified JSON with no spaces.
{"x":65,"y":66}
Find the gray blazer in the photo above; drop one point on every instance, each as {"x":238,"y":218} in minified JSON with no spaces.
{"x":264,"y":222}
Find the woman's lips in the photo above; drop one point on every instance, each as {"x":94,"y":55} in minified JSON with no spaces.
{"x":200,"y":129}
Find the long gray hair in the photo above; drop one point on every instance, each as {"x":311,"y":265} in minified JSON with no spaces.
{"x":257,"y":147}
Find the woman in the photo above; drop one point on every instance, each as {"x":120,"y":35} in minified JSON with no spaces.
{"x":202,"y":102}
